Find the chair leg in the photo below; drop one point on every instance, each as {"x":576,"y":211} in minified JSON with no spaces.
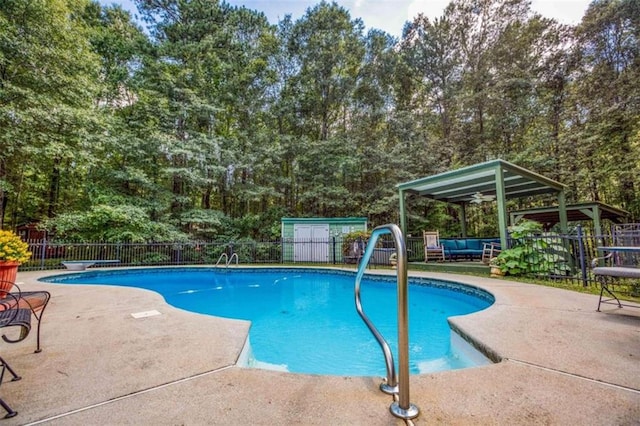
{"x":38,"y":318}
{"x":600,"y":300}
{"x":603,"y":288}
{"x":37,"y":301}
{"x":38,"y":348}
{"x":10,"y":411}
{"x":4,"y":366}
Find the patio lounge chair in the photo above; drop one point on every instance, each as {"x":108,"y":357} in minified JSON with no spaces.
{"x":432,"y":247}
{"x":489,"y":251}
{"x":13,"y":317}
{"x":34,"y":301}
{"x":608,"y":275}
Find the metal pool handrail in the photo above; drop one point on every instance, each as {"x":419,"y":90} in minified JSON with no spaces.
{"x":403,"y":407}
{"x":223,"y":256}
{"x":228,"y":260}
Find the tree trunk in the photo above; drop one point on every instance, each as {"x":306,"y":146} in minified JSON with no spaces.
{"x":54,"y":189}
{"x":3,"y":195}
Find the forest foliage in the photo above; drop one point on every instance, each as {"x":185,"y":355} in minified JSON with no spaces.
{"x":203,"y":120}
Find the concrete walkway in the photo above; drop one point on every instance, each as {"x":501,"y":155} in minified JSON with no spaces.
{"x":561,"y":363}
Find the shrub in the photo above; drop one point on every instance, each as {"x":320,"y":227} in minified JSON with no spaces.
{"x":352,"y":237}
{"x":12,"y":248}
{"x":533,"y":252}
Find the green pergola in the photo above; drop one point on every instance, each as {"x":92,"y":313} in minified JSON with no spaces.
{"x":594,"y":211}
{"x":497,"y":178}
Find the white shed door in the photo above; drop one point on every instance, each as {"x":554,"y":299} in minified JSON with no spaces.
{"x":311,"y":243}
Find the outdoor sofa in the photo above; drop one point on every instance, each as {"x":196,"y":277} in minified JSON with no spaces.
{"x":467,"y":248}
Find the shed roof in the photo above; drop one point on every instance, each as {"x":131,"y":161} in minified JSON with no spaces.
{"x":329,"y":220}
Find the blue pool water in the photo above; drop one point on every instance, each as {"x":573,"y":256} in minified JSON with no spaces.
{"x":305,"y":320}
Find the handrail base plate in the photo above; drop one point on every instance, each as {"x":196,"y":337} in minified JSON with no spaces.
{"x":410,"y":413}
{"x":388,"y":389}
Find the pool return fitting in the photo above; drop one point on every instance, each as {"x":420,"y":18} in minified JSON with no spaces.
{"x":402,"y":408}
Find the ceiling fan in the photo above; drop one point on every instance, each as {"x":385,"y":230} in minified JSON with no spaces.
{"x":479,"y":197}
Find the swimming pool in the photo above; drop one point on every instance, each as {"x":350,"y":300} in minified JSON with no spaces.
{"x":305,"y":321}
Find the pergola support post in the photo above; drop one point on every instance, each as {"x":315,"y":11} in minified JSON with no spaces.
{"x":403,"y":214}
{"x":463,"y":220}
{"x":562,"y":212}
{"x":501,"y":199}
{"x":597,"y":227}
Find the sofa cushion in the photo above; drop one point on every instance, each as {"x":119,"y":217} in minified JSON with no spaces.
{"x":474,"y":244}
{"x":448,"y":244}
{"x":461,"y":244}
{"x":468,"y":252}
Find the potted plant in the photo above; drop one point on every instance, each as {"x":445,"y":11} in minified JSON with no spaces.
{"x":13,"y":251}
{"x":496,"y":264}
{"x":393,"y":260}
{"x":353,"y":245}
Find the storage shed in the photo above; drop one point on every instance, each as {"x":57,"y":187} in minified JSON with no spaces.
{"x":317,"y":239}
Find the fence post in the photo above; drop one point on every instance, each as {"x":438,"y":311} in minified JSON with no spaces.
{"x":583,"y":266}
{"x":334,"y":249}
{"x":43,"y":254}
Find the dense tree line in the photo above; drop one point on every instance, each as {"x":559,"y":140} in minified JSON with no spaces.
{"x":211,"y":122}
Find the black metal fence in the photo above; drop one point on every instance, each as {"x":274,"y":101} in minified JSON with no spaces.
{"x":52,"y":254}
{"x":570,"y":257}
{"x":558,"y":257}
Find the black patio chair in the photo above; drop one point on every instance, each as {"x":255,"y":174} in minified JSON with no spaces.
{"x":14,"y":316}
{"x":34,"y":301}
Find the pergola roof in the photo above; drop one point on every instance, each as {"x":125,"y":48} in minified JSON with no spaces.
{"x":497,"y":177}
{"x":575,"y":213}
{"x":459,"y":186}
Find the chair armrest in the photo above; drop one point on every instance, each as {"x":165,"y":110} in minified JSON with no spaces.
{"x":495,"y":246}
{"x":35,"y":301}
{"x":9,"y":286}
{"x":10,"y":294}
{"x":489,"y":250}
{"x":8,"y":308}
{"x":596,"y":260}
{"x":12,"y":315}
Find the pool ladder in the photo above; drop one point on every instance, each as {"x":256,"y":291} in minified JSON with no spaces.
{"x":228,"y":259}
{"x":401,"y":408}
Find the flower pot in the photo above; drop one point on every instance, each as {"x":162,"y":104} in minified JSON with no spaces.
{"x":393,"y":261}
{"x":496,"y":271}
{"x":8,"y":274}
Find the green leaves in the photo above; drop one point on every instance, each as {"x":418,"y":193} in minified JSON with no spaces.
{"x":215,"y":119}
{"x":107,"y":223}
{"x":49,"y":81}
{"x":606,"y":96}
{"x":534,"y":252}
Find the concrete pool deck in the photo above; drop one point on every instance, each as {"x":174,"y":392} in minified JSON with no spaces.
{"x":562,"y":363}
